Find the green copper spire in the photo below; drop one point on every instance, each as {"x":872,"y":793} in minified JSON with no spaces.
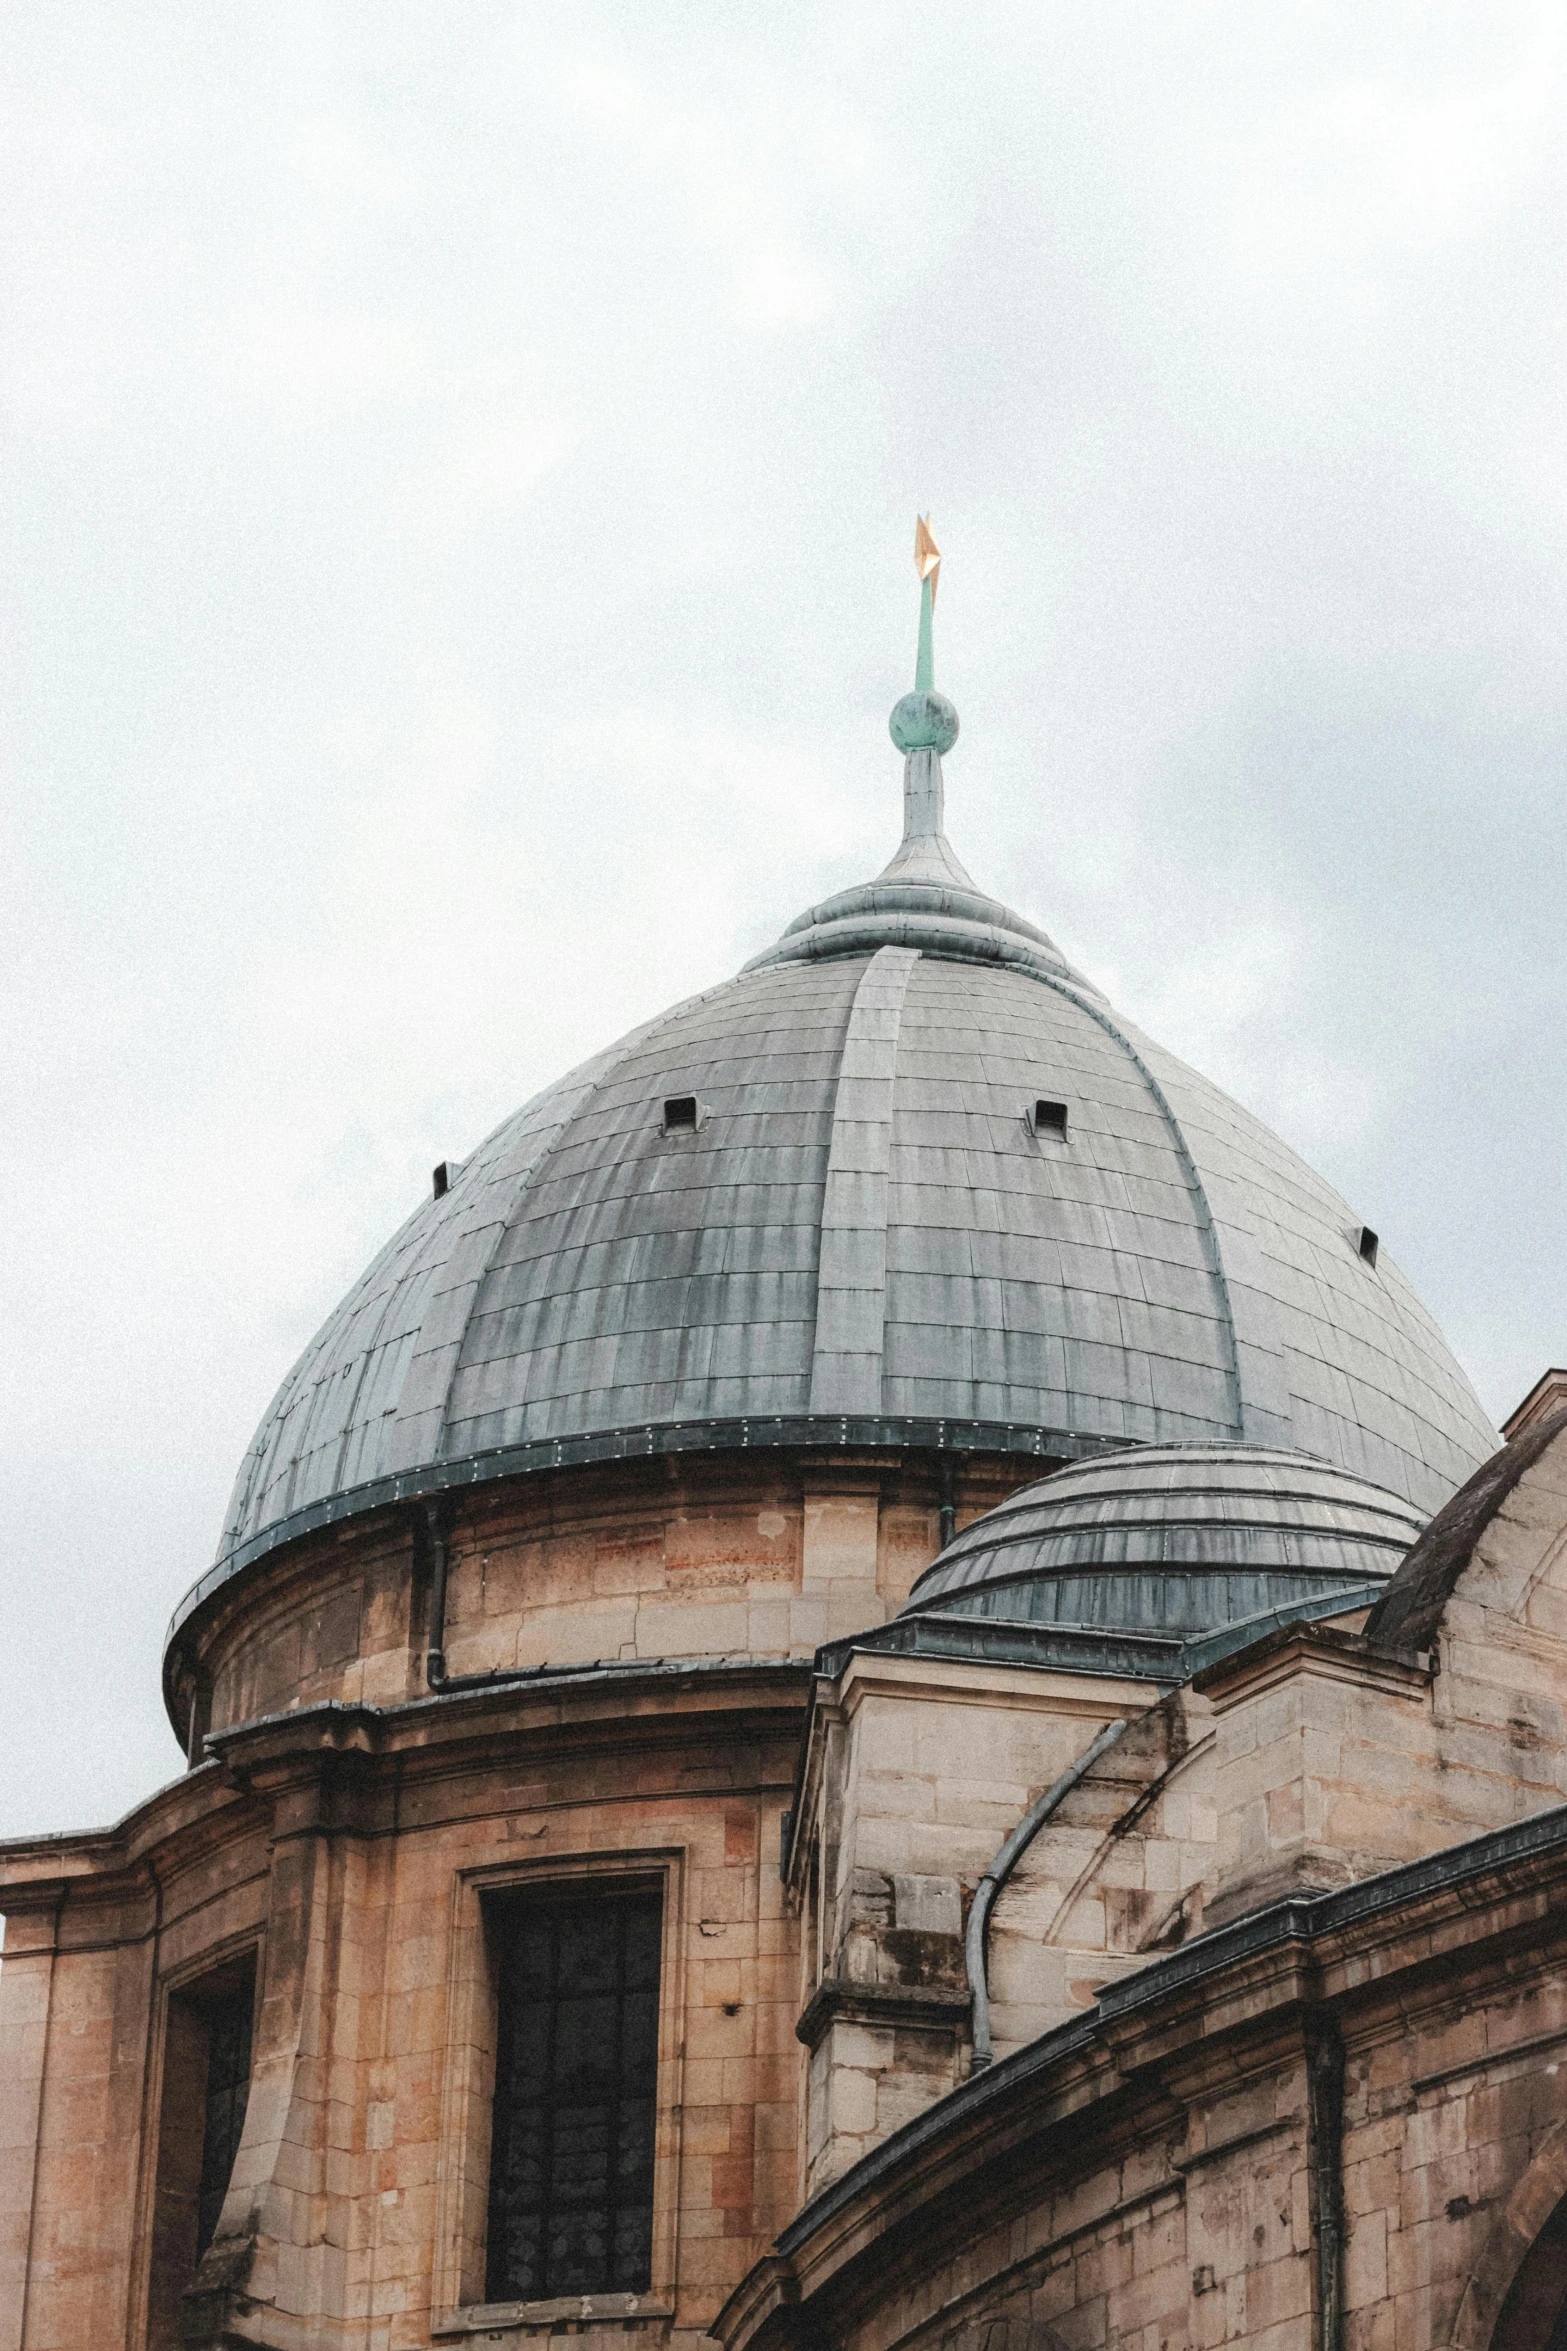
{"x":925,"y":720}
{"x":925,"y":660}
{"x":927,"y":562}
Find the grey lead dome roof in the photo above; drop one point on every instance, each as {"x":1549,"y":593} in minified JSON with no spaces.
{"x":863,"y":1240}
{"x":1173,"y":1539}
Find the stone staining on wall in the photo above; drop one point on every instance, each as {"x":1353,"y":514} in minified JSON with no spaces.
{"x":332,"y":1839}
{"x":1343,"y":2128}
{"x":942,"y":1759}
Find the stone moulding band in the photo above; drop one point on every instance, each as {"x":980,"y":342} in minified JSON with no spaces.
{"x":797,"y":1432}
{"x":951,"y":938}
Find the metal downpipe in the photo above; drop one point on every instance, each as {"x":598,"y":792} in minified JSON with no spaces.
{"x":996,"y":1876}
{"x":436,"y":1524}
{"x":435,"y":1531}
{"x":946,"y":1487}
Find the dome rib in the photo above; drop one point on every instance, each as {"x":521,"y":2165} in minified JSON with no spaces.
{"x":1194,"y":1177}
{"x":410,"y":1382}
{"x":848,"y":1344}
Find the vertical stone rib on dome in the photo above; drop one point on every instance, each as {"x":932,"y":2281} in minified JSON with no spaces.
{"x":1258,"y":1368}
{"x":392,"y":1348}
{"x":851,"y":1282}
{"x":1208,"y":1226}
{"x":1068,"y":1284}
{"x":1372,"y":1384}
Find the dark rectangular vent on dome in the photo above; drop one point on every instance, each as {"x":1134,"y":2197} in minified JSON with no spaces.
{"x":1367,"y":1243}
{"x":441,"y":1181}
{"x":682,"y":1114}
{"x":1048,"y":1118}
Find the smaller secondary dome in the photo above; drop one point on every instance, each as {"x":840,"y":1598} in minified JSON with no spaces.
{"x":1175,"y":1540}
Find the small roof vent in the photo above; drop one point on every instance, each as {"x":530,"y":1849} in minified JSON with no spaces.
{"x":1047,"y":1118}
{"x":441,"y":1181}
{"x":682,"y":1114}
{"x":1367,"y":1243}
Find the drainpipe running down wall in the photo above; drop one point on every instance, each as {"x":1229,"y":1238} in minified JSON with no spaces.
{"x":996,"y":1876}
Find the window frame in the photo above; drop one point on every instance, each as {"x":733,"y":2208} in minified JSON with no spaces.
{"x":462,"y":2183}
{"x":154,"y":2302}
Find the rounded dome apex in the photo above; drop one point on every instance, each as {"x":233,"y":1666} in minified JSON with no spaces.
{"x":1189,"y":1541}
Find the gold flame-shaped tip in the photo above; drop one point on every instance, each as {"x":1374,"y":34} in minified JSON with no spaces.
{"x":927,"y":555}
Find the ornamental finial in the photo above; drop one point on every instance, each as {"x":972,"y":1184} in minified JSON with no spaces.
{"x":927,"y":562}
{"x":927,"y":555}
{"x":925,"y":720}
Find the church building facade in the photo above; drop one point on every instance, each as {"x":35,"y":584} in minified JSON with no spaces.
{"x":881,"y":1688}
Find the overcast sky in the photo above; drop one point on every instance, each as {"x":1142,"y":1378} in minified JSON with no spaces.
{"x":459,"y":478}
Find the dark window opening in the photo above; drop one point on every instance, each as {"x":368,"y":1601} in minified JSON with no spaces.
{"x":228,"y":2088}
{"x":680,"y":1114}
{"x":1534,"y":2315}
{"x":206,"y":2080}
{"x":441,"y":1181}
{"x":1049,"y":1118}
{"x":1366,"y":1242}
{"x":571,"y":2151}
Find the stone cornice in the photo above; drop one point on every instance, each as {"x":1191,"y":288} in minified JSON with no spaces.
{"x":650,"y":1703}
{"x":193,"y":1814}
{"x":205,"y":1808}
{"x":836,"y":2001}
{"x":819,"y":1433}
{"x":1321,"y":1650}
{"x":979,"y":1682}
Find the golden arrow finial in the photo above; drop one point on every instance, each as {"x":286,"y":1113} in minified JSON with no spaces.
{"x":927,"y":562}
{"x":927,"y":555}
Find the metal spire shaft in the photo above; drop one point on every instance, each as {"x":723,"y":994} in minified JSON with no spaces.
{"x":924,"y":723}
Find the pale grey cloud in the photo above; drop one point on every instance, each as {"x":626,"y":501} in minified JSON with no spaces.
{"x":458,"y":474}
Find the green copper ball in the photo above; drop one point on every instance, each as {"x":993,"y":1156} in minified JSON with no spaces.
{"x":924,"y":722}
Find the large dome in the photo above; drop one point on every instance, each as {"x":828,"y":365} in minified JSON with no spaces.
{"x":907,"y":1180}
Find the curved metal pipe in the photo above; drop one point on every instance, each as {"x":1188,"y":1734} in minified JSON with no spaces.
{"x":996,"y":1876}
{"x":436,"y":1524}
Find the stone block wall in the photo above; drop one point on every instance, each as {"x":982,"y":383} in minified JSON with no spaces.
{"x":683,"y":1556}
{"x":920,"y":1768}
{"x":350,"y":1855}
